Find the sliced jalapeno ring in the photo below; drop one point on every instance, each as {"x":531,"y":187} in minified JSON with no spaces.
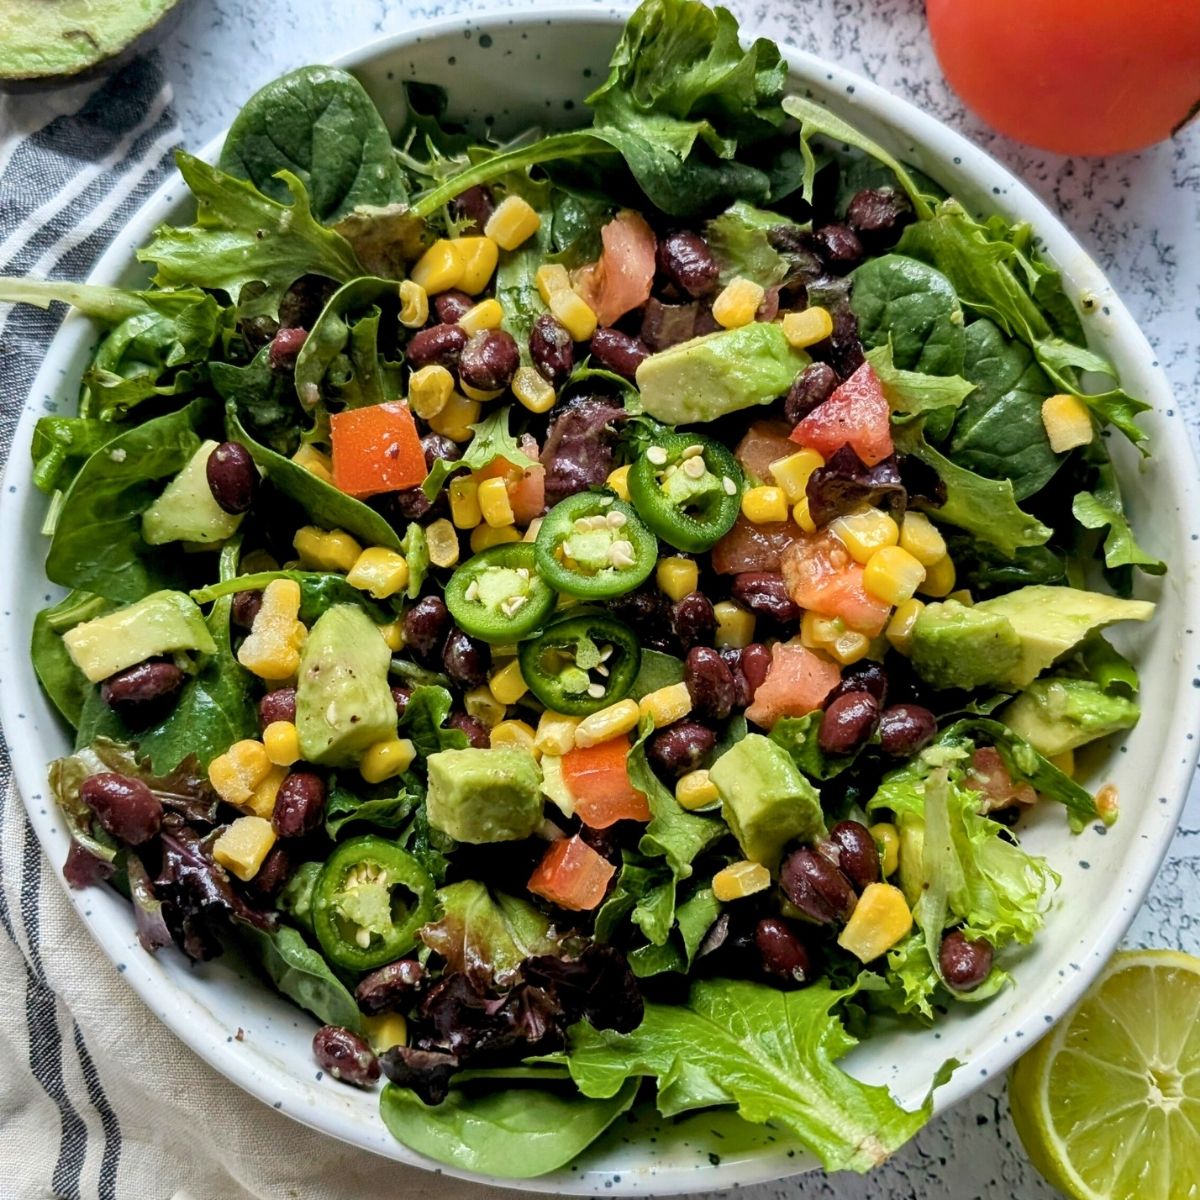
{"x":594,"y":546}
{"x":369,"y":900}
{"x":498,"y":595}
{"x":687,"y":489}
{"x":582,"y":664}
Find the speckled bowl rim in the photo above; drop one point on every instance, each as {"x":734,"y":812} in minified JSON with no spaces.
{"x":183,"y":1009}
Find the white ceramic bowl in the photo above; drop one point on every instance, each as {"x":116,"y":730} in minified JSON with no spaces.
{"x":525,"y":67}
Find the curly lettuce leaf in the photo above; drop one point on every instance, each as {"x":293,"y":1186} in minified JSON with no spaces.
{"x":492,"y":440}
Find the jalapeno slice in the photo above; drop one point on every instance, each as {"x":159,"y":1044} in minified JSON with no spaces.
{"x":498,"y":595}
{"x":581,"y":664}
{"x":687,"y":489}
{"x":368,"y":902}
{"x":594,"y":546}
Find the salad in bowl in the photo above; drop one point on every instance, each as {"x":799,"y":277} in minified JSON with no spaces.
{"x":587,"y":614}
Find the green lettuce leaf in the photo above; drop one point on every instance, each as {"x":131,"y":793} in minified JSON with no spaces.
{"x":739,"y":242}
{"x":492,"y":440}
{"x":424,"y":721}
{"x":1103,"y":509}
{"x":912,"y":393}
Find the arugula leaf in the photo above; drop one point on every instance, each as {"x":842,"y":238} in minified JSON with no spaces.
{"x":61,"y":679}
{"x":424,"y":718}
{"x":912,"y":393}
{"x":1103,"y":508}
{"x":491,"y":441}
{"x":739,"y":242}
{"x":263,"y":398}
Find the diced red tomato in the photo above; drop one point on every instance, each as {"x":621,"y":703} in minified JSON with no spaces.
{"x":821,"y":576}
{"x":526,"y":488}
{"x":620,"y":280}
{"x":765,"y":442}
{"x":376,"y":449}
{"x":856,"y":415}
{"x":797,"y":683}
{"x":572,"y":875}
{"x":748,"y":547}
{"x":598,"y":780}
{"x":990,"y":776}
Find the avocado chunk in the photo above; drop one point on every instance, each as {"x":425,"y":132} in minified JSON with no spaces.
{"x":160,"y":623}
{"x":765,"y":800}
{"x":484,"y":795}
{"x":1055,"y":714}
{"x":719,"y":373}
{"x":186,"y":510}
{"x":343,"y":702}
{"x":957,"y":646}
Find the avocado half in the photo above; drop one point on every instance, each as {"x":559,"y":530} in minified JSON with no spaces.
{"x":44,"y":43}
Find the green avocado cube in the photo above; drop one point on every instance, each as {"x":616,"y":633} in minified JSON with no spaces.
{"x":1055,"y":715}
{"x":481,"y":796}
{"x":959,"y":646}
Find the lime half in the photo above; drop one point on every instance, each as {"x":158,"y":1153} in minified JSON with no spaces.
{"x":1108,"y":1103}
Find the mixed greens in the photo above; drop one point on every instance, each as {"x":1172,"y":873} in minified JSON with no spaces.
{"x":583,"y":614}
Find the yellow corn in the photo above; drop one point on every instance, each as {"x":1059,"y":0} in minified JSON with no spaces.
{"x":414,"y":305}
{"x":866,"y":531}
{"x":791,"y":473}
{"x":386,"y":759}
{"x":899,"y":631}
{"x":385,"y":1031}
{"x":487,"y":314}
{"x":484,"y":537}
{"x":429,"y":390}
{"x":456,"y":417}
{"x":939,"y":578}
{"x":551,"y":278}
{"x":482,"y":394}
{"x":235,"y":774}
{"x":963,"y":596}
{"x":575,"y":314}
{"x":314,"y":462}
{"x":439,"y":269}
{"x":738,"y":303}
{"x":666,"y":705}
{"x":892,"y":575}
{"x":494,"y":503}
{"x":262,"y":802}
{"x":555,"y":733}
{"x":514,"y":221}
{"x":831,"y":635}
{"x":442,"y":543}
{"x":807,"y":328}
{"x":483,"y":706}
{"x":610,"y":722}
{"x":676,"y":577}
{"x":507,"y":684}
{"x":479,"y":257}
{"x":803,"y":517}
{"x":393,"y":634}
{"x":271,"y":650}
{"x":533,"y":391}
{"x":518,"y":734}
{"x":282,"y":743}
{"x":1068,"y":423}
{"x":242,"y":847}
{"x":887,"y":842}
{"x":618,"y":481}
{"x":380,"y":572}
{"x":921,"y":538}
{"x":695,"y":790}
{"x":880,"y":919}
{"x":735,"y":625}
{"x":321,"y":551}
{"x":464,"y":501}
{"x":740,"y":879}
{"x":764,"y":505}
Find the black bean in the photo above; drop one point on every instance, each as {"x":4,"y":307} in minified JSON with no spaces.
{"x":878,"y":216}
{"x":710,"y":683}
{"x":425,"y":627}
{"x":126,"y":807}
{"x":489,"y":360}
{"x":409,"y":504}
{"x":693,"y":621}
{"x":451,"y":305}
{"x":842,"y":349}
{"x":731,"y":656}
{"x":812,"y":387}
{"x":551,"y":348}
{"x":268,"y":879}
{"x":855,"y":853}
{"x":436,"y":445}
{"x":817,"y":888}
{"x":680,"y":748}
{"x":476,"y":731}
{"x":245,"y":608}
{"x":685,"y":259}
{"x":618,"y":352}
{"x":285,"y":346}
{"x":905,"y":728}
{"x":439,"y":344}
{"x":400,"y":698}
{"x":965,"y":963}
{"x":303,"y":301}
{"x":839,"y":246}
{"x":764,"y":593}
{"x":142,"y":695}
{"x":848,"y":722}
{"x":299,"y":804}
{"x":756,"y":663}
{"x":466,"y":659}
{"x":785,"y":957}
{"x":345,"y":1056}
{"x":232,"y":477}
{"x":389,"y":986}
{"x":279,"y":705}
{"x":475,"y":205}
{"x":866,"y":675}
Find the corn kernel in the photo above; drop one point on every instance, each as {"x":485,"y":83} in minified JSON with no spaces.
{"x":887,"y":842}
{"x":483,"y":706}
{"x":939,"y":578}
{"x":429,"y":390}
{"x":379,"y":571}
{"x":696,"y":790}
{"x":740,"y":879}
{"x":676,"y":577}
{"x":1068,"y":423}
{"x":242,"y":847}
{"x":385,"y":1031}
{"x":738,"y":303}
{"x":880,"y":919}
{"x":807,"y":328}
{"x":518,"y":734}
{"x":608,"y":723}
{"x":735,"y":625}
{"x":282,"y":743}
{"x":533,"y":391}
{"x":387,"y":759}
{"x":900,"y":628}
{"x":314,"y":462}
{"x":555,"y":733}
{"x":442,"y":543}
{"x":803,"y":517}
{"x":271,"y":650}
{"x":618,"y":481}
{"x":321,"y":551}
{"x":414,"y":305}
{"x":551,"y":278}
{"x":262,"y":801}
{"x":514,"y":221}
{"x":1065,"y":762}
{"x":831,"y":635}
{"x":484,"y":537}
{"x":963,"y":596}
{"x":393,"y":634}
{"x":764,"y":505}
{"x":464,"y":502}
{"x":494,"y":503}
{"x":922,"y":539}
{"x":456,"y":417}
{"x":792,"y":473}
{"x":235,"y":774}
{"x":865,"y":531}
{"x":574,"y":312}
{"x":507,"y":684}
{"x":439,"y":269}
{"x":892,"y":575}
{"x":666,"y":705}
{"x":487,"y":314}
{"x":479,"y":258}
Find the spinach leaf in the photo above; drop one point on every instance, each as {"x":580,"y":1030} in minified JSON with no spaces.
{"x":61,"y":445}
{"x":263,"y":398}
{"x":983,"y":568}
{"x":319,"y":590}
{"x":739,"y":242}
{"x":1103,"y":508}
{"x":677,"y":949}
{"x":657,"y":670}
{"x":425,"y":718}
{"x":491,"y":441}
{"x":62,"y":680}
{"x":319,"y":124}
{"x":386,"y":812}
{"x":798,"y":736}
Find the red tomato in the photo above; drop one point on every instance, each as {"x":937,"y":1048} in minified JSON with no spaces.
{"x":376,"y":449}
{"x":526,"y":488}
{"x":765,"y":442}
{"x":797,"y":683}
{"x":856,"y":415}
{"x":748,"y":547}
{"x":1073,"y":76}
{"x":990,"y":776}
{"x":620,"y":281}
{"x":572,"y":875}
{"x":821,"y":576}
{"x":598,"y":780}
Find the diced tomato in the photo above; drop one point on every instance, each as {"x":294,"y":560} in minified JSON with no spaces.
{"x":598,"y":780}
{"x":572,"y":875}
{"x":765,"y":442}
{"x":990,"y":776}
{"x":526,"y":488}
{"x":376,"y":449}
{"x":821,"y":576}
{"x":797,"y":683}
{"x":620,"y":280}
{"x":856,"y":415}
{"x":748,"y":547}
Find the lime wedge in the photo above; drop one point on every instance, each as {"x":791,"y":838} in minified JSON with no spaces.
{"x":1108,"y":1103}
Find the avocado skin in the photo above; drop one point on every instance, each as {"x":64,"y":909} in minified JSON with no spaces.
{"x":1056,"y":714}
{"x":957,"y":646}
{"x":480,"y":796}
